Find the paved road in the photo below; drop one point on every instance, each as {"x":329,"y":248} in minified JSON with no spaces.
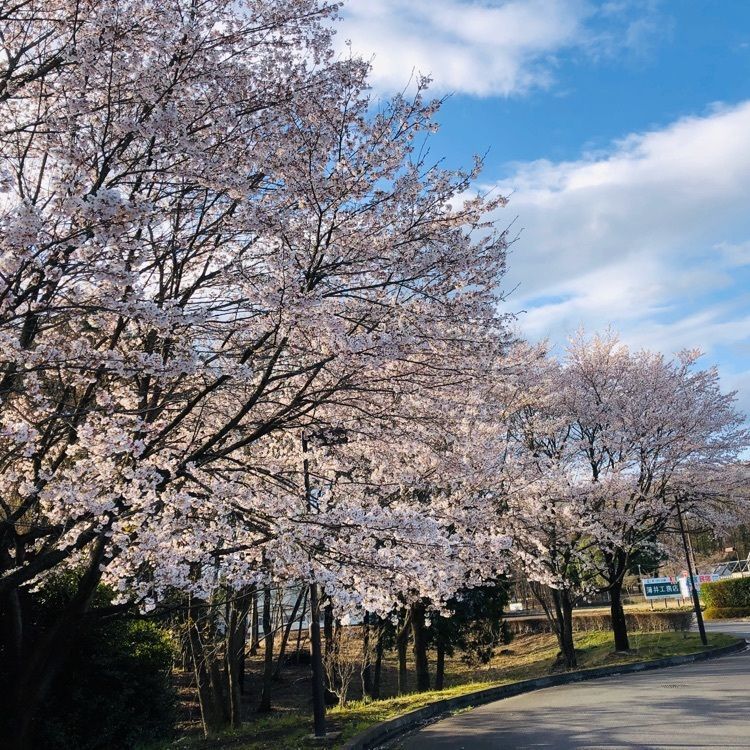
{"x":703,"y":705}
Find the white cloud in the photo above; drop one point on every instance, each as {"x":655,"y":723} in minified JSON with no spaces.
{"x":652,"y":237}
{"x":734,"y":254}
{"x":486,"y":47}
{"x":739,"y":382}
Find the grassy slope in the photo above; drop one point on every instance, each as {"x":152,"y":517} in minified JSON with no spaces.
{"x":530,"y":656}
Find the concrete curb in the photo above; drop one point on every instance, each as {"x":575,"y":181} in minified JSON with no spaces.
{"x":381,"y":733}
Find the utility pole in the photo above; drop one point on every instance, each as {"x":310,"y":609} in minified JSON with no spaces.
{"x":316,"y":650}
{"x":691,"y":577}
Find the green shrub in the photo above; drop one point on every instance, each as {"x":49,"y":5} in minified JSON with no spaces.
{"x":726,"y":613}
{"x":731,"y":593}
{"x":679,"y":620}
{"x":649,"y":622}
{"x":114,"y":691}
{"x":644,"y":622}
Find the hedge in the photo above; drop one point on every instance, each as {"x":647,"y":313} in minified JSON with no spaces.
{"x":657,"y":621}
{"x":726,"y":613}
{"x":730,"y":593}
{"x":651,"y":622}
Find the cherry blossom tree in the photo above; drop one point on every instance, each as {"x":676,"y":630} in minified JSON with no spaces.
{"x":598,"y":448}
{"x":645,"y":429}
{"x":211,"y":250}
{"x":553,"y":529}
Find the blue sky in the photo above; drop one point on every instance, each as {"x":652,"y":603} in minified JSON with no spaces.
{"x":621,"y":132}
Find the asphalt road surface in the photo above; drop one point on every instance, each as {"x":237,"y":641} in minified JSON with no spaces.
{"x":702,"y":705}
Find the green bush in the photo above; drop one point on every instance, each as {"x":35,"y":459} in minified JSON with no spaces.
{"x":726,"y":613}
{"x":114,"y":691}
{"x":731,"y":593}
{"x":644,"y":622}
{"x":648,"y":622}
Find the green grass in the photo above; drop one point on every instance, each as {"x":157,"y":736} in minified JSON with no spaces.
{"x":277,"y":731}
{"x":532,"y":656}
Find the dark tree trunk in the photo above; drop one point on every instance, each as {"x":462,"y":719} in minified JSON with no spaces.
{"x":285,"y":635}
{"x":219,"y":685}
{"x":316,"y":665}
{"x":403,"y":677}
{"x":440,"y":665}
{"x":619,"y":624}
{"x":242,"y":660}
{"x":301,"y":622}
{"x":331,"y":698}
{"x":564,"y":627}
{"x":265,"y":696}
{"x":419,"y":632}
{"x":254,"y":626}
{"x":186,"y":654}
{"x":213,"y":715}
{"x":233,"y":659}
{"x":402,"y":641}
{"x":378,"y":666}
{"x":316,"y":651}
{"x":328,"y":628}
{"x":366,"y":665}
{"x":558,"y":606}
{"x":235,"y":654}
